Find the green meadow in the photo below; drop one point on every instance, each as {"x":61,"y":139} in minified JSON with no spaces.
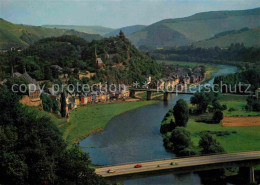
{"x":88,"y":119}
{"x":233,"y":139}
{"x":238,"y":103}
{"x":237,"y":139}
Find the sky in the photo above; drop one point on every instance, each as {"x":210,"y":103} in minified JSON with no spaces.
{"x":110,"y":13}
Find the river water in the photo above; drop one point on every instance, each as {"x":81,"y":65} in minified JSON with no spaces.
{"x":135,"y":136}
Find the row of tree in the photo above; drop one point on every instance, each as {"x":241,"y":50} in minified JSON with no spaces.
{"x":250,"y":80}
{"x":235,"y":52}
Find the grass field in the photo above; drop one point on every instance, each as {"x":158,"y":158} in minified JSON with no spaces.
{"x":238,"y":103}
{"x":238,"y":138}
{"x":93,"y":118}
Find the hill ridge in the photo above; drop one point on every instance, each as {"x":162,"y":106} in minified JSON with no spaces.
{"x":197,"y":27}
{"x":19,"y":35}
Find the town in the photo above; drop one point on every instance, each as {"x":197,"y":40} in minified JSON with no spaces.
{"x":129,"y":93}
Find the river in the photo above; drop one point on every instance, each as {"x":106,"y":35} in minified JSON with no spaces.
{"x":135,"y":136}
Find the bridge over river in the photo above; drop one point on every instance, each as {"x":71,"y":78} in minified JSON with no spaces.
{"x":167,"y":92}
{"x":248,"y":159}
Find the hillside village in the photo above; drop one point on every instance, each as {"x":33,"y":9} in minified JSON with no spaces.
{"x":174,"y":75}
{"x":180,"y":76}
{"x":180,"y":94}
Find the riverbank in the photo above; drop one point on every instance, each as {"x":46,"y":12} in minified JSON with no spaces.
{"x":90,"y":119}
{"x":232,"y":136}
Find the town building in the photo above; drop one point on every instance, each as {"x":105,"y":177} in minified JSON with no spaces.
{"x":34,"y":91}
{"x":99,"y":61}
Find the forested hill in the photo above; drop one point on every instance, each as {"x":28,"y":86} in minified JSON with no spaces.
{"x":122,"y":62}
{"x":201,"y":26}
{"x":249,"y":37}
{"x":15,"y":35}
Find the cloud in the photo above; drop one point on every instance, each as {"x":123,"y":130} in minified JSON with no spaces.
{"x":110,"y":13}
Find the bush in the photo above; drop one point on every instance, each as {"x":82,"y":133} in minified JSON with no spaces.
{"x":252,"y":104}
{"x":168,"y":114}
{"x":224,"y":107}
{"x":55,"y":107}
{"x":209,"y":145}
{"x":188,"y":152}
{"x":181,"y":139}
{"x":46,"y":102}
{"x":217,"y":116}
{"x":217,"y":133}
{"x":231,"y":109}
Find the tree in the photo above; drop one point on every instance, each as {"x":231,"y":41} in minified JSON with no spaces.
{"x":209,"y":145}
{"x":217,"y":116}
{"x":181,"y":113}
{"x":47,"y":73}
{"x":202,"y":100}
{"x":75,"y":168}
{"x":46,"y":102}
{"x":33,"y":150}
{"x":252,"y":104}
{"x":167,"y":127}
{"x":76,"y":72}
{"x":63,"y":105}
{"x":181,"y":139}
{"x":55,"y":107}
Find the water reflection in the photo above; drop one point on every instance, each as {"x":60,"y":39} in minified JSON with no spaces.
{"x":135,"y":136}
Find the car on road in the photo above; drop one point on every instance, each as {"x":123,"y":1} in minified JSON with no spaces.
{"x":173,"y":163}
{"x":110,"y":171}
{"x":138,"y":166}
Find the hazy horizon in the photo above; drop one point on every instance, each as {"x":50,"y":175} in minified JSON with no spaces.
{"x":111,"y":13}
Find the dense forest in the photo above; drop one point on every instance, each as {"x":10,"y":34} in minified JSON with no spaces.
{"x":123,"y":62}
{"x":234,"y":53}
{"x":64,"y":51}
{"x":33,"y":150}
{"x":250,"y":76}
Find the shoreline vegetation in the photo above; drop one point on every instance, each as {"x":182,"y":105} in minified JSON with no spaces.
{"x":88,"y":120}
{"x":81,"y":125}
{"x":231,"y":138}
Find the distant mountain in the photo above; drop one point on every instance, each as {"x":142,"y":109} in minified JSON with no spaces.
{"x":127,"y":30}
{"x":201,"y":26}
{"x":16,"y":35}
{"x":249,"y":37}
{"x":86,"y":29}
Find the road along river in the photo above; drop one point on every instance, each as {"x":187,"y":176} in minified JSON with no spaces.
{"x":135,"y":136}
